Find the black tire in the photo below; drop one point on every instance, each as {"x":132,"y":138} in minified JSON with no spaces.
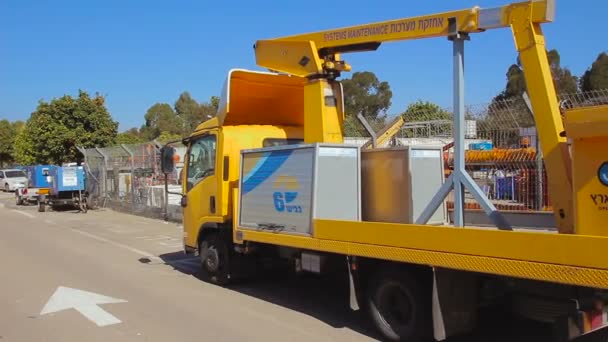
{"x":398,"y":306}
{"x":84,"y":205}
{"x":215,"y":259}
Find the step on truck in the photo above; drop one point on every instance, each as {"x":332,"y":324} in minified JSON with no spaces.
{"x":270,"y":178}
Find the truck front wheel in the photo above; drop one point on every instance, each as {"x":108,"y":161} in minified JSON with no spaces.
{"x":397,"y":305}
{"x":215,"y":261}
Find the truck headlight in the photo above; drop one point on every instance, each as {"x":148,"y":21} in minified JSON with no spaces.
{"x":602,"y":173}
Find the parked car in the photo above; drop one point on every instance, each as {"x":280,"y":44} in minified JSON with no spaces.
{"x":12,"y":179}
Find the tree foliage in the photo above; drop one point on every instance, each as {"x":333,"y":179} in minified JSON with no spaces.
{"x":159,"y":118}
{"x":365,"y":94}
{"x":179,"y":120}
{"x":8,"y":134}
{"x":563,"y":79}
{"x":56,"y":128}
{"x":131,"y":136}
{"x":194,"y":113}
{"x":425,"y":111}
{"x":596,"y":76}
{"x":565,"y":82}
{"x":165,"y":137}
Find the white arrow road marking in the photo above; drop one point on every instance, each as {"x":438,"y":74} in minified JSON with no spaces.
{"x":84,"y":302}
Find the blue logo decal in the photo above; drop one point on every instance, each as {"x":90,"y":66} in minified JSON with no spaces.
{"x":602,"y":173}
{"x":284,"y":200}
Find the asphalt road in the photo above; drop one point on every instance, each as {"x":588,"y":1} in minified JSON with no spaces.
{"x":141,"y":287}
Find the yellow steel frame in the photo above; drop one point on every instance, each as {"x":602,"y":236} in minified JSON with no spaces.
{"x":317,"y":55}
{"x":387,"y":133}
{"x":565,"y":259}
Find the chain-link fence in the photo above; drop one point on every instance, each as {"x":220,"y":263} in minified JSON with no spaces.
{"x":502,"y":155}
{"x":502,"y":151}
{"x":128,"y":178}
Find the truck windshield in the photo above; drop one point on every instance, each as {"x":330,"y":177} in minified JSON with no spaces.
{"x":201,"y":159}
{"x":15,"y":174}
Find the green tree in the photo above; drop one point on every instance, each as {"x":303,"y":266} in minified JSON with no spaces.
{"x":159,"y":118}
{"x":563,"y":79}
{"x":55,"y":130}
{"x":215,"y":102}
{"x":565,"y":82}
{"x":425,"y":111}
{"x":194,"y":113}
{"x":165,"y":137}
{"x":365,"y":94}
{"x":8,"y":133}
{"x":187,"y":109}
{"x":596,"y":76}
{"x":131,"y":136}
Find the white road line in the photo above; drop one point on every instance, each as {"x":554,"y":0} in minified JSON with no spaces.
{"x":23,"y":213}
{"x":162,"y":237}
{"x":124,"y":231}
{"x":170,"y":245}
{"x":147,"y":237}
{"x":117,"y":244}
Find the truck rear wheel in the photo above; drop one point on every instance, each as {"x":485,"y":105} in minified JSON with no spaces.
{"x":41,"y":204}
{"x":215,"y":259}
{"x":397,"y":306}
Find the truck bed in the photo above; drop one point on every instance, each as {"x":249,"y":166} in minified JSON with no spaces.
{"x":530,"y":253}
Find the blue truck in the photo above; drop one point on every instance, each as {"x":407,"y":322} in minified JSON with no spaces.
{"x":67,"y":187}
{"x":38,"y":183}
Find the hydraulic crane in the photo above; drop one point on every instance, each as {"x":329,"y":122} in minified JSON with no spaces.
{"x":317,"y":56}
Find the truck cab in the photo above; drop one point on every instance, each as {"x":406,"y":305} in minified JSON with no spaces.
{"x":257,"y":109}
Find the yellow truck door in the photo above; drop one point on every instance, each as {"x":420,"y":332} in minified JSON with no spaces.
{"x":200,"y":185}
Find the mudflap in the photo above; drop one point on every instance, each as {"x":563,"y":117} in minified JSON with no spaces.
{"x":353,"y":301}
{"x":454,"y":302}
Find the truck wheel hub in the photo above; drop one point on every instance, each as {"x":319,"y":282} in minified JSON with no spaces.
{"x":212,"y":260}
{"x":395,"y":306}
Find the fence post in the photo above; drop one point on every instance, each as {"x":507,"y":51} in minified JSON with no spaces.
{"x":124,"y":147}
{"x":104,"y":174}
{"x":539,"y":158}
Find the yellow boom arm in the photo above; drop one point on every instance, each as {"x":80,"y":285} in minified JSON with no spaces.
{"x":317,"y":56}
{"x":387,"y":133}
{"x":318,"y":53}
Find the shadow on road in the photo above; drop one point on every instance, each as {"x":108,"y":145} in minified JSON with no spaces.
{"x":324,"y":298}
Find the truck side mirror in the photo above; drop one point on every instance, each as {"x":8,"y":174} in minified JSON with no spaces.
{"x":167,"y":163}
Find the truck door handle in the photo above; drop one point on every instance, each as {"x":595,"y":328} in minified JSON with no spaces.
{"x":212,"y":204}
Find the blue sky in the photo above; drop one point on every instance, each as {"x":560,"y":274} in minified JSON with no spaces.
{"x":137,"y":53}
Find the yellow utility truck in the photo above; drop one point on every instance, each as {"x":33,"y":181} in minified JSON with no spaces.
{"x":270,"y":177}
